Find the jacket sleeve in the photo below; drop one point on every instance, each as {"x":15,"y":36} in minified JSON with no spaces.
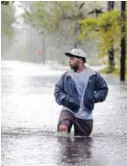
{"x":101,"y":89}
{"x":59,"y":93}
{"x":62,"y":98}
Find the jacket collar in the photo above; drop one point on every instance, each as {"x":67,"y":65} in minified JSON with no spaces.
{"x":89,"y":71}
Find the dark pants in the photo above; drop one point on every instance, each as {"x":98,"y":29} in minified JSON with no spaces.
{"x":81,"y":127}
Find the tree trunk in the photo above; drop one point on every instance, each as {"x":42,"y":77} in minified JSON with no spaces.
{"x":77,"y":33}
{"x":111,"y":58}
{"x":123,"y":41}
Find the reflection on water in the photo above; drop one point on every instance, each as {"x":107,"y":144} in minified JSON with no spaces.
{"x":30,"y":115}
{"x":75,"y":150}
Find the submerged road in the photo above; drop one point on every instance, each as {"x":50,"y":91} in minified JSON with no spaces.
{"x":29,"y":118}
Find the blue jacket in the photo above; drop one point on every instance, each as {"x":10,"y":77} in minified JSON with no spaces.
{"x":95,"y":91}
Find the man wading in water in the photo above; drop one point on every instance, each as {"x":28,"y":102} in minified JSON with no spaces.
{"x":77,"y":91}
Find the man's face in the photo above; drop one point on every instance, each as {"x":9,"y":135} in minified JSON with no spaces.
{"x":74,"y":63}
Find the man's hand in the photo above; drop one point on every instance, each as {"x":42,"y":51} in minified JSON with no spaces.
{"x":70,"y":103}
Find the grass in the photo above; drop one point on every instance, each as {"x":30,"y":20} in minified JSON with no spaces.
{"x":116,"y":71}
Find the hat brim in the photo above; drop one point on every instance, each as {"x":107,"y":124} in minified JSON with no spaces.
{"x":72,"y":55}
{"x":69,"y":54}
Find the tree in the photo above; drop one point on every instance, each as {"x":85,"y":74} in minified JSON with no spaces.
{"x":111,"y":58}
{"x":123,"y":41}
{"x":59,"y":17}
{"x":106,"y":30}
{"x":5,"y":2}
{"x":56,"y":17}
{"x":7,"y":19}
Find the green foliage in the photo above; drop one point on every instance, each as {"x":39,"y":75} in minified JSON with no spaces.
{"x":48,"y":15}
{"x":105,"y":29}
{"x":59,"y":17}
{"x":117,"y":67}
{"x":5,"y":2}
{"x":71,"y":18}
{"x":7,"y":19}
{"x":105,"y":70}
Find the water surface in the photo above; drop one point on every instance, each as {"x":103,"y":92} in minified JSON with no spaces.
{"x":30,"y":114}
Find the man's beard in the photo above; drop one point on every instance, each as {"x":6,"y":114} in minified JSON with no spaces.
{"x":75,"y":68}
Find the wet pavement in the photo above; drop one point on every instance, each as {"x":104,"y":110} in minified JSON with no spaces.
{"x":29,"y":118}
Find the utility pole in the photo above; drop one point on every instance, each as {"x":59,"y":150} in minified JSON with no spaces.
{"x":111,"y":58}
{"x":123,"y":41}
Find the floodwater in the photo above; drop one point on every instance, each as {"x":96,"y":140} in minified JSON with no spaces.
{"x":29,"y":118}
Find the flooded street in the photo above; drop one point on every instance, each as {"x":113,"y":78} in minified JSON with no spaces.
{"x":29,"y":116}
